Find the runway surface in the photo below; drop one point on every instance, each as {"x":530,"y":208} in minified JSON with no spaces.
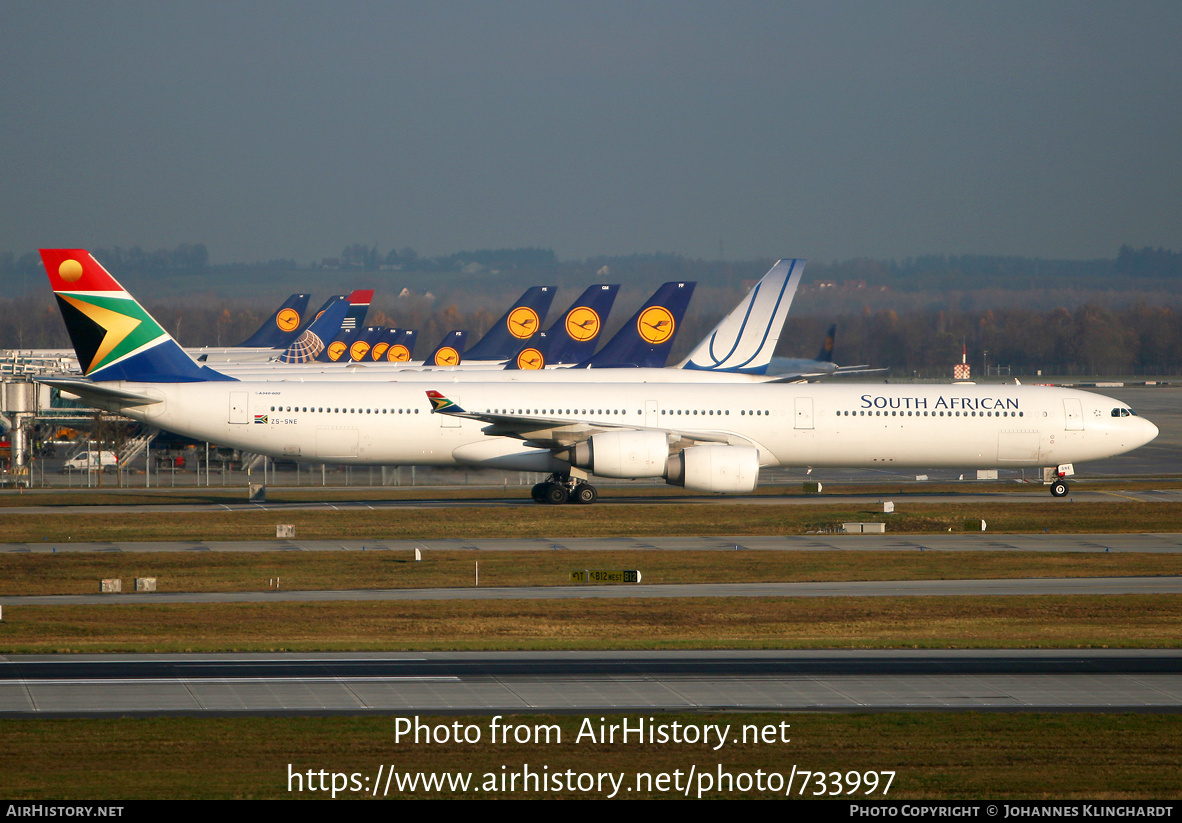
{"x":982,"y":541}
{"x":510,"y":682}
{"x":887,"y":588}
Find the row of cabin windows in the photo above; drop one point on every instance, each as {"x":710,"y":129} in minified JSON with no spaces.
{"x":719,"y":412}
{"x":883,"y":413}
{"x":323,"y":410}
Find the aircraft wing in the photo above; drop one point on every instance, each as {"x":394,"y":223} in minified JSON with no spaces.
{"x":558,"y":433}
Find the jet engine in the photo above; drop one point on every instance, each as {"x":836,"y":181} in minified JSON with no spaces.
{"x":623,"y":454}
{"x":733,"y":469}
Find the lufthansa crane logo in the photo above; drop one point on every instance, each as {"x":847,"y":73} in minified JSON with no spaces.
{"x":377,"y":351}
{"x":530,"y":359}
{"x":398,"y":354}
{"x":655,"y":325}
{"x":582,"y":323}
{"x":357,"y":350}
{"x":522,"y":322}
{"x":335,"y":349}
{"x":287,"y":320}
{"x":447,"y":356}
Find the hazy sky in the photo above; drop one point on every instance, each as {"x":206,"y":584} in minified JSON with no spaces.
{"x":826,"y":130}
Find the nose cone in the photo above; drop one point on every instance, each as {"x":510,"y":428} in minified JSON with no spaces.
{"x":1146,"y":431}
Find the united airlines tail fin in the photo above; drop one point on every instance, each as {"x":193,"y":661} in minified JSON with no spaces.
{"x":449,"y":352}
{"x":573,"y":337}
{"x":745,"y":339}
{"x":283,"y":326}
{"x":520,"y":323}
{"x":113,"y":336}
{"x":645,"y":340}
{"x":311,"y":343}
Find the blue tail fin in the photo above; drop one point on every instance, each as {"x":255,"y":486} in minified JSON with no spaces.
{"x":574,"y":336}
{"x":283,"y":327}
{"x":311,"y":343}
{"x":646,"y":338}
{"x":518,"y":324}
{"x":449,"y":352}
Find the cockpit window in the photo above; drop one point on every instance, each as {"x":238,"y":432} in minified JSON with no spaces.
{"x":1122,"y":412}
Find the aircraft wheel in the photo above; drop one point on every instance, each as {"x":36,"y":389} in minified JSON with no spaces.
{"x":585,"y":494}
{"x":538,"y":492}
{"x":556,"y":493}
{"x":1059,"y":489}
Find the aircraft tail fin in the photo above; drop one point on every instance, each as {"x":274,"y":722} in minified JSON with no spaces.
{"x":745,"y":339}
{"x":310,"y":344}
{"x":359,"y":301}
{"x":572,"y":339}
{"x":533,"y":355}
{"x":283,"y":326}
{"x":825,"y":355}
{"x":402,"y":346}
{"x":449,"y":352}
{"x":517,"y":325}
{"x":113,"y":335}
{"x":645,"y":340}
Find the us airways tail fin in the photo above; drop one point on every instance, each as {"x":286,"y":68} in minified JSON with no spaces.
{"x":311,"y":343}
{"x":645,"y":340}
{"x":573,"y":337}
{"x":359,"y":301}
{"x":449,"y":352}
{"x":517,"y":325}
{"x":282,"y":328}
{"x":745,"y":339}
{"x":113,"y":336}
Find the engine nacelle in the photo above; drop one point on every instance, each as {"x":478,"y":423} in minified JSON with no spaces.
{"x":731,"y":469}
{"x":624,"y":454}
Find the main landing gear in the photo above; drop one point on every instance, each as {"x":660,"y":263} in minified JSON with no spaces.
{"x":562,"y":488}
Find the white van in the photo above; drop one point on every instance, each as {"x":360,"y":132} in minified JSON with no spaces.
{"x":95,"y":460}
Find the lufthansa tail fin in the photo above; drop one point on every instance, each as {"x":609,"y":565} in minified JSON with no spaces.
{"x":645,"y":340}
{"x":517,"y":325}
{"x":282,"y":328}
{"x":113,"y":336}
{"x":533,"y":355}
{"x":572,"y":338}
{"x":745,"y":339}
{"x":449,"y":352}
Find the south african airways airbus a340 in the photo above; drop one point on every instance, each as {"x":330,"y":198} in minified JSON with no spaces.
{"x":707,"y":437}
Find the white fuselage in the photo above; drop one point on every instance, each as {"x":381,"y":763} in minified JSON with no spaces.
{"x":803,"y":425}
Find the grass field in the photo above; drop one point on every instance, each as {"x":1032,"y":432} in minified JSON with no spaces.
{"x":641,"y":519}
{"x":935,"y":755}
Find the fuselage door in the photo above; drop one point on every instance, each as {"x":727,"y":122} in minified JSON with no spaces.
{"x":239,"y":412}
{"x":1072,"y":415}
{"x":652,"y":417}
{"x":804,"y":412}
